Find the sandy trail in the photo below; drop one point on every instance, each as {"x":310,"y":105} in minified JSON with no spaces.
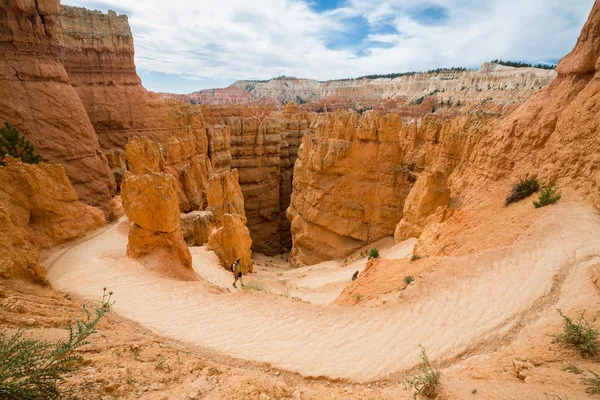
{"x":497,"y":287}
{"x":322,"y":283}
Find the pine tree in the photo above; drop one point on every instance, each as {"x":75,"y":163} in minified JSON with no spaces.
{"x":12,"y":143}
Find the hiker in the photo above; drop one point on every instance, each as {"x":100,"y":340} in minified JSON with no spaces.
{"x":236,"y":269}
{"x":355,"y":276}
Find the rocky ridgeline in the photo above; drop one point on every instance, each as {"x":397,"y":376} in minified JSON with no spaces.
{"x":458,"y":90}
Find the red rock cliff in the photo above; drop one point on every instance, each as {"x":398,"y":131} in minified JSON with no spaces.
{"x":36,"y":98}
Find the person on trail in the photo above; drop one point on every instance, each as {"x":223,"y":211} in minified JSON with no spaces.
{"x":236,"y":269}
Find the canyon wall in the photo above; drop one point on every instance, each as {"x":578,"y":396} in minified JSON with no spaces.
{"x":354,"y":174}
{"x":38,"y":209}
{"x":502,"y":86}
{"x":36,"y":98}
{"x":263,"y":150}
{"x":98,"y":54}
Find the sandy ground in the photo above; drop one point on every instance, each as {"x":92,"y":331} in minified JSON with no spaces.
{"x":450,"y":316}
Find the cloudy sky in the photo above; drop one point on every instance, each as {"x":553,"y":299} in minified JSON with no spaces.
{"x":186,"y":45}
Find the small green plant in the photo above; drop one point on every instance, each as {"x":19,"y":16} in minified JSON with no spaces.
{"x":32,"y":369}
{"x":522,"y":190}
{"x":161,"y":363}
{"x":580,"y":334}
{"x":12,"y":143}
{"x":573,"y":369}
{"x":474,"y":391}
{"x":256,"y":285}
{"x":408,"y":280}
{"x":548,"y":195}
{"x":373,"y":253}
{"x":426,"y":382}
{"x":415,"y":257}
{"x":359,"y":297}
{"x":593,"y":384}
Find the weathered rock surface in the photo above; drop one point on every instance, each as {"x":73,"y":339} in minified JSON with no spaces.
{"x":97,"y":52}
{"x":225,"y":195}
{"x":196,"y":227}
{"x":151,"y":203}
{"x":263,"y":150}
{"x":231,"y":241}
{"x":144,"y":156}
{"x":429,"y":192}
{"x":36,"y":98}
{"x":38,"y":208}
{"x":503,"y":85}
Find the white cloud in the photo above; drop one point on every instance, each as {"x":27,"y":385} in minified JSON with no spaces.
{"x":260,"y":39}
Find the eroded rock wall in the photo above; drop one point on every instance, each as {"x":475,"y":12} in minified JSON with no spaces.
{"x":354,"y":174}
{"x":36,"y":98}
{"x":263,"y":149}
{"x":38,"y":209}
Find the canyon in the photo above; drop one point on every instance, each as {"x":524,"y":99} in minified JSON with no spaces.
{"x":155,"y":195}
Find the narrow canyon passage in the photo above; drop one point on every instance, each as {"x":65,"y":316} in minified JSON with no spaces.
{"x":480,"y":301}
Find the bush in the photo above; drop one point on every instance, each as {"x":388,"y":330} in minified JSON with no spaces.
{"x":593,"y":384}
{"x":579,"y":334}
{"x":522,"y":190}
{"x":31,"y":369}
{"x":426,"y":382}
{"x":415,"y":257}
{"x":12,"y":143}
{"x":548,"y":195}
{"x":373,"y":253}
{"x":408,"y":280}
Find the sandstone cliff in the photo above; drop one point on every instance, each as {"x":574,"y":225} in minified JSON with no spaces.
{"x":263,"y":150}
{"x":38,"y":209}
{"x":36,"y":98}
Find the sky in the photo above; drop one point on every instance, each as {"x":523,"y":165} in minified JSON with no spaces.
{"x":183,"y":46}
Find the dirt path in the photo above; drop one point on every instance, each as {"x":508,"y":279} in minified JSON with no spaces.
{"x":480,"y":301}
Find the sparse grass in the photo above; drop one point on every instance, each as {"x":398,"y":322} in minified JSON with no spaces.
{"x":580,"y":334}
{"x":161,"y":364}
{"x":359,"y":297}
{"x":522,"y":190}
{"x":573,"y":369}
{"x":32,"y":369}
{"x":548,"y":195}
{"x":474,"y":391}
{"x":135,"y":352}
{"x":415,"y":257}
{"x":408,"y":280}
{"x":373,"y":253}
{"x":426,"y":382}
{"x":555,"y":397}
{"x":280,"y":274}
{"x":256,"y":285}
{"x":593,"y":384}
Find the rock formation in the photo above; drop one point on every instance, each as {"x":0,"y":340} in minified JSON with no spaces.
{"x":263,"y":150}
{"x":36,"y":98}
{"x":429,"y":192}
{"x":38,"y":209}
{"x":151,"y":203}
{"x":503,"y":85}
{"x":231,"y":241}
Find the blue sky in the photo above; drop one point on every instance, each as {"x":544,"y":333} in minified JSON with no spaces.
{"x":183,"y":46}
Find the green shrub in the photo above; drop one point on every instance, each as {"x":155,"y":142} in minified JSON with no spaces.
{"x":522,"y":190}
{"x":408,"y":280}
{"x":415,"y":257}
{"x":548,"y":195}
{"x":579,"y":334}
{"x":32,"y":369}
{"x":12,"y":143}
{"x":426,"y":382}
{"x":373,"y":253}
{"x":593,"y":384}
